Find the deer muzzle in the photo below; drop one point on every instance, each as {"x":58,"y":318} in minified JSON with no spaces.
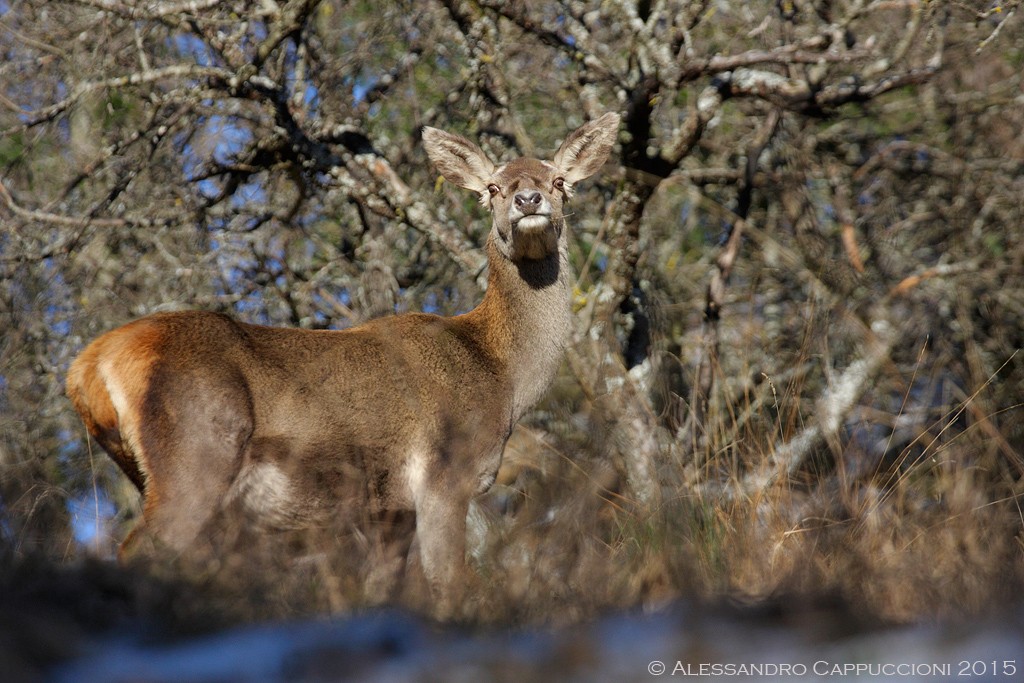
{"x":530,"y":211}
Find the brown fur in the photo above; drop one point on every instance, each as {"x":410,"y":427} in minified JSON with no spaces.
{"x":127,"y":354}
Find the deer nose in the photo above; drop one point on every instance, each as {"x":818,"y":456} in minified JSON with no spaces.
{"x":528,"y":201}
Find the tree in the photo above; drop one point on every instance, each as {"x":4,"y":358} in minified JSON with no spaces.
{"x":806,"y":269}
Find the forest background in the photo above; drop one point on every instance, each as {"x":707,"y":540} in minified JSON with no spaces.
{"x":796,"y":365}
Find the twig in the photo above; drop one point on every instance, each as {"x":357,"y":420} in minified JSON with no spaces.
{"x":80,"y":221}
{"x":942,"y":270}
{"x":196,"y":71}
{"x":999,"y":27}
{"x":155,"y":10}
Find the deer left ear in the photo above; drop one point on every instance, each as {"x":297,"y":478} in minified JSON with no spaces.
{"x":586,"y":149}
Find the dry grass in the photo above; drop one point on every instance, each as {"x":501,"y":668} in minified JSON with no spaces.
{"x":932,"y":530}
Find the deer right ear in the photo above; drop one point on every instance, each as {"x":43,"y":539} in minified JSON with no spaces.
{"x":458,"y":160}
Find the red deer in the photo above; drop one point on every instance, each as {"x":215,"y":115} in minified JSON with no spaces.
{"x":200,"y":410}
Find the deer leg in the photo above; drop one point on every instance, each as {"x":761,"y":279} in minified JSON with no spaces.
{"x":199,"y":447}
{"x":441,"y":535}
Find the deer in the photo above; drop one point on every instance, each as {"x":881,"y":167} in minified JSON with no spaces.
{"x":201,"y":410}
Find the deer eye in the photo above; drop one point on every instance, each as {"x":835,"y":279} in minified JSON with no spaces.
{"x":493,"y":189}
{"x":559,"y":183}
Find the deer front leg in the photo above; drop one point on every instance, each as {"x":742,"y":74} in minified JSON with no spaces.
{"x":441,"y":534}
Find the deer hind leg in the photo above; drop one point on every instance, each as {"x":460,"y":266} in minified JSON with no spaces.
{"x":196,"y":434}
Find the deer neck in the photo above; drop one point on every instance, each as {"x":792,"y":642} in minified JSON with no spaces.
{"x":525,"y":319}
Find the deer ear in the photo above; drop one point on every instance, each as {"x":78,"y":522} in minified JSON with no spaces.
{"x":458,"y":160}
{"x":586,"y":149}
